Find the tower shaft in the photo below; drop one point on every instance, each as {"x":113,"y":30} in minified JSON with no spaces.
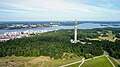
{"x":75,"y":33}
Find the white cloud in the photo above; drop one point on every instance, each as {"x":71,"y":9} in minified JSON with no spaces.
{"x":61,"y":7}
{"x":49,"y":5}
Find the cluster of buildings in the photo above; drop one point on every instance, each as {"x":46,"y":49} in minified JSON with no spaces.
{"x":17,"y":25}
{"x":32,"y":25}
{"x":12,"y":35}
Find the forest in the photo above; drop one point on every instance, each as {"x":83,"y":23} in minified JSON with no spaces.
{"x":56,"y":43}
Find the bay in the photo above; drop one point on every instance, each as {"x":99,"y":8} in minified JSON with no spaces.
{"x":80,"y":26}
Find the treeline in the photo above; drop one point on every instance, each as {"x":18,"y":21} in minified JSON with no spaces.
{"x":113,"y":48}
{"x":52,"y":44}
{"x":56,"y":43}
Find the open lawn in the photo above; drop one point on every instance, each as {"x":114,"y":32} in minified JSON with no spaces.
{"x":110,"y":37}
{"x":59,"y":62}
{"x":97,"y":62}
{"x":14,"y":61}
{"x":40,"y":61}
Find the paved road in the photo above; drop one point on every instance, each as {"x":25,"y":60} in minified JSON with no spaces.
{"x":105,"y":53}
{"x":115,"y":60}
{"x":110,"y":61}
{"x":70,"y":64}
{"x":83,"y":60}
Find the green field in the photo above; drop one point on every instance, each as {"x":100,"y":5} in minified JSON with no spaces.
{"x":59,"y":62}
{"x":14,"y":61}
{"x":110,"y":36}
{"x":98,"y":62}
{"x":41,"y":61}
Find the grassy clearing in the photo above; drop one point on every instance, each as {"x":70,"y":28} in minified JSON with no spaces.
{"x":111,"y":37}
{"x":59,"y":62}
{"x":98,"y":62}
{"x":41,"y":61}
{"x":14,"y":61}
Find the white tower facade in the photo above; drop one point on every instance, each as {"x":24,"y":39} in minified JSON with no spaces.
{"x":75,"y":33}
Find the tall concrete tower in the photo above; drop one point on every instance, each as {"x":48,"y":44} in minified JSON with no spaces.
{"x":75,"y":33}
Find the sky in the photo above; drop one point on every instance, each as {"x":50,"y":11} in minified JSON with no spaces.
{"x":86,"y":10}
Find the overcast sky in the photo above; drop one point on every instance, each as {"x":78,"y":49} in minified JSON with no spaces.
{"x":60,"y":10}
